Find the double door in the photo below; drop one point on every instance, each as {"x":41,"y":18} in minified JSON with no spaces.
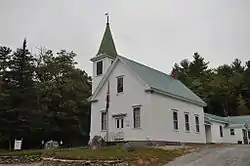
{"x":119,"y":123}
{"x":119,"y":126}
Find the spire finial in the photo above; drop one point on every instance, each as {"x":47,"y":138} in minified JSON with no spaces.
{"x":107,"y":15}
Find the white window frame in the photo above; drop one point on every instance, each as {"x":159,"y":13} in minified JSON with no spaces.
{"x":232,"y":132}
{"x":136,"y":125}
{"x":117,"y":78}
{"x":175,"y":121}
{"x":197,"y":125}
{"x":187,"y":123}
{"x":103,"y":121}
{"x":97,"y":68}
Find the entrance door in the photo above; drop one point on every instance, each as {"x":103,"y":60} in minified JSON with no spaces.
{"x":244,"y":133}
{"x":208,"y":133}
{"x":119,"y":125}
{"x":248,"y":136}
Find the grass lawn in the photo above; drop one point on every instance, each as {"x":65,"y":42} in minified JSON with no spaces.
{"x":141,"y":154}
{"x":147,"y":154}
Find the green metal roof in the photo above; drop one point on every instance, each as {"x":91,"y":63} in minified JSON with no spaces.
{"x":235,"y":126}
{"x":239,"y":119}
{"x":107,"y":44}
{"x":215,"y":117}
{"x":163,"y":82}
{"x":233,"y":121}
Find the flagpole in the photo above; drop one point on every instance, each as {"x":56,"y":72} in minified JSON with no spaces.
{"x":107,"y":114}
{"x":107,"y":132}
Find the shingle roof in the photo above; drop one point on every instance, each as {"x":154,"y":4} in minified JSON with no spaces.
{"x":107,"y":44}
{"x":163,"y":82}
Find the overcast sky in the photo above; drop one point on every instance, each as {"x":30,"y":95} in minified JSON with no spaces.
{"x":157,"y":33}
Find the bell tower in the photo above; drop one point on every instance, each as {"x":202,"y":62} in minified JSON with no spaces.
{"x":104,"y":57}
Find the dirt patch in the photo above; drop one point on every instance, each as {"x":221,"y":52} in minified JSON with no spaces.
{"x":60,"y":162}
{"x":19,"y":159}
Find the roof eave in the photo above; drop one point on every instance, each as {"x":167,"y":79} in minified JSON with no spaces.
{"x":91,"y":99}
{"x":176,"y":97}
{"x":235,"y":127}
{"x":101,"y":56}
{"x":216,"y":120}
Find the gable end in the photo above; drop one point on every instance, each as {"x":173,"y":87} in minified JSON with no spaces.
{"x":107,"y":74}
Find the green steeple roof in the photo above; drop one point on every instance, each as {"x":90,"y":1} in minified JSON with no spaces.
{"x":107,"y":45}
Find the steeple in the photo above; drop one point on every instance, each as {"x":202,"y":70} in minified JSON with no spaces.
{"x":107,"y":45}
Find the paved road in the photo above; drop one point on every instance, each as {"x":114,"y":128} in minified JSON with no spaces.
{"x":237,"y":155}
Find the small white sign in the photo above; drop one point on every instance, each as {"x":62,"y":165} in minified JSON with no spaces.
{"x":18,"y":144}
{"x":127,"y":123}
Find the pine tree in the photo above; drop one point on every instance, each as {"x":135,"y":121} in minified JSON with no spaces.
{"x":23,"y":93}
{"x":236,"y":66}
{"x":198,"y":66}
{"x":5,"y":99}
{"x":242,"y":108}
{"x":63,"y":96}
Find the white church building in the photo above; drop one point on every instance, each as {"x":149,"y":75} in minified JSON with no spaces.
{"x":134,"y":102}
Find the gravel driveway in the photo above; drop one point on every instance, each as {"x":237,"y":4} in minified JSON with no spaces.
{"x":236,"y":155}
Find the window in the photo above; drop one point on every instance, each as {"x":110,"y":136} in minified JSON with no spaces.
{"x":175,"y":120}
{"x":137,"y":117}
{"x":187,"y":127}
{"x":221,"y":131}
{"x":232,"y":132}
{"x":248,"y":133}
{"x":197,"y":123}
{"x":103,"y":121}
{"x":122,"y":122}
{"x":119,"y":84}
{"x":99,"y":68}
{"x":119,"y":123}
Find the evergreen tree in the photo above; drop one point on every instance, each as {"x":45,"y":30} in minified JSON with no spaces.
{"x":236,"y":66}
{"x":218,"y":87}
{"x":6,"y":121}
{"x":43,"y":97}
{"x":198,"y":66}
{"x":22,"y":92}
{"x":242,"y":108}
{"x":195,"y":75}
{"x":63,"y":96}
